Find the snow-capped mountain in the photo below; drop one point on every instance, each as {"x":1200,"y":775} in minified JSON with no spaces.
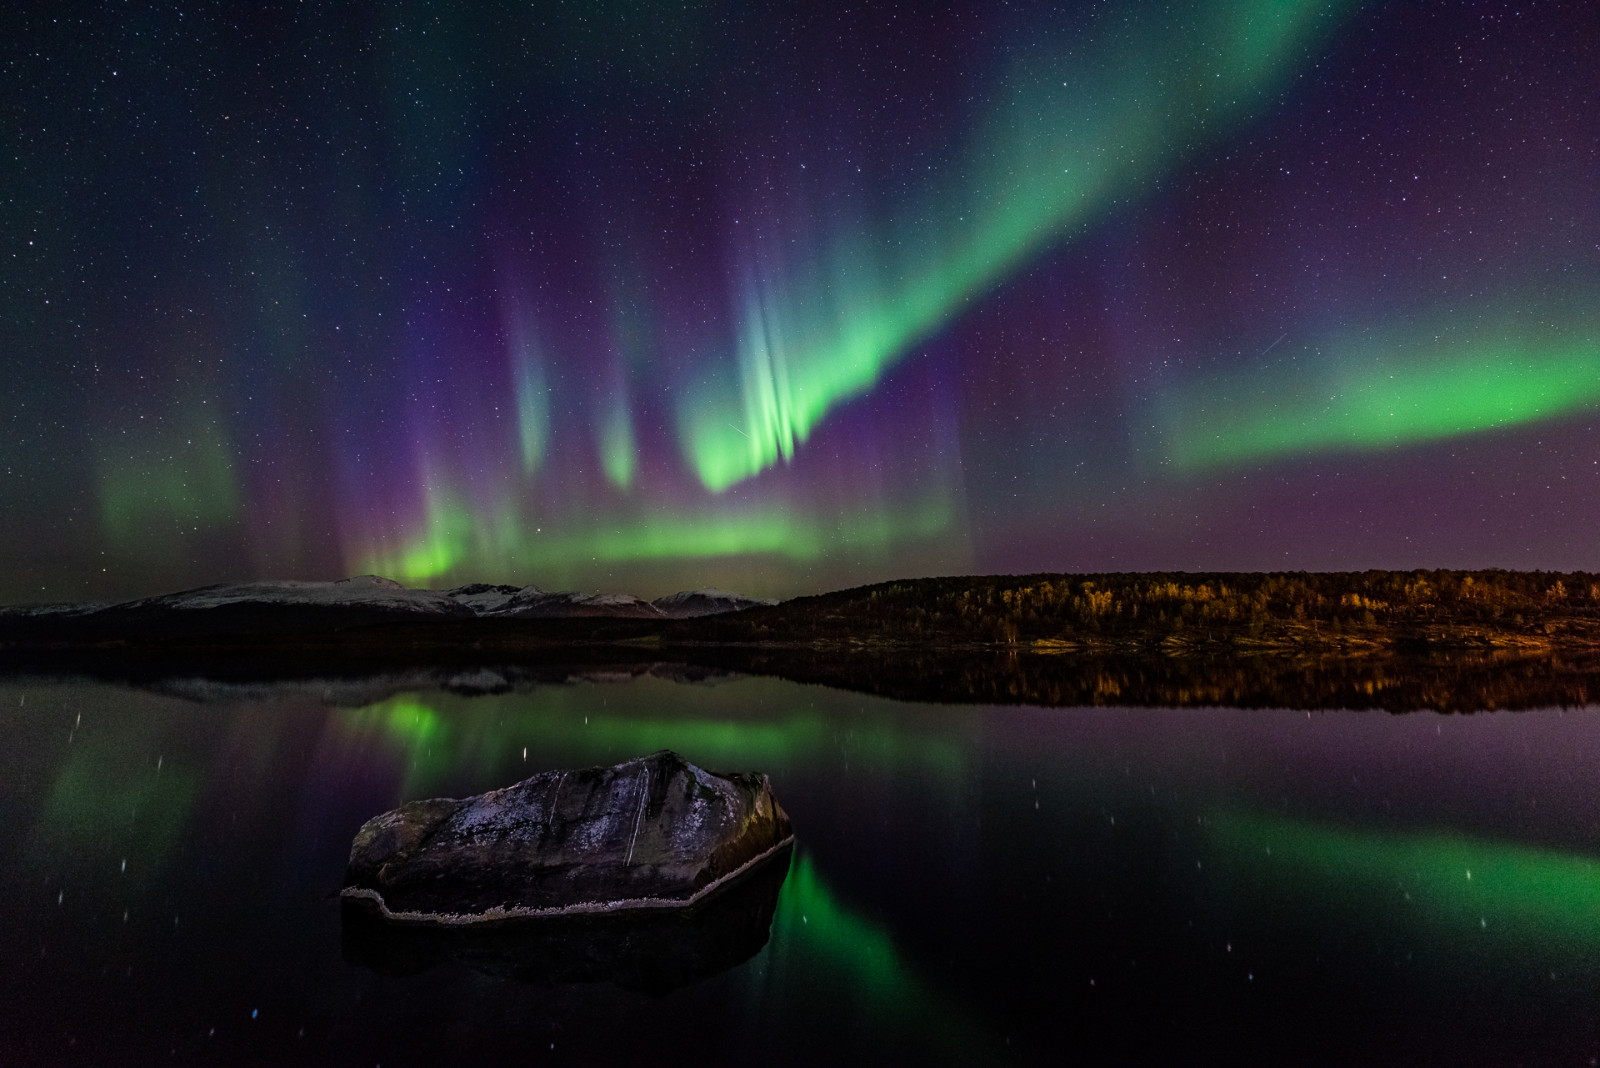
{"x":707,"y":602}
{"x":64,"y":610}
{"x":485,"y":599}
{"x":241,"y":609}
{"x":362,"y":591}
{"x":540,"y":605}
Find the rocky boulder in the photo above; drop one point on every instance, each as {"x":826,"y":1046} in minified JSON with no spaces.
{"x":651,"y":833}
{"x":654,"y":950}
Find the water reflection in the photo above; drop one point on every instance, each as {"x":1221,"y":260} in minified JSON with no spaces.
{"x":433,"y":737}
{"x":100,"y":796}
{"x":1456,"y":680}
{"x":1504,"y":898}
{"x":1111,"y":884}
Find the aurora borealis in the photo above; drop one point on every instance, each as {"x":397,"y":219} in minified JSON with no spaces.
{"x":791,"y":297}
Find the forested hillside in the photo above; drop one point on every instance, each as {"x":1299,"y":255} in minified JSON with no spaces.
{"x":1182,"y":610}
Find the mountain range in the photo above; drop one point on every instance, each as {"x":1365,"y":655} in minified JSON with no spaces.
{"x":291,"y":605}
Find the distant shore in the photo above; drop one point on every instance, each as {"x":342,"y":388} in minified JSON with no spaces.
{"x":1168,"y":613}
{"x":1444,"y":640}
{"x":1194,"y":614}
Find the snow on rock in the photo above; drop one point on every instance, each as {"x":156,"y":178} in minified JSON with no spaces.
{"x":540,"y":605}
{"x":486,"y":599}
{"x":374,"y":592}
{"x":369,"y":582}
{"x":707,"y":602}
{"x":67,"y":609}
{"x":365,"y":591}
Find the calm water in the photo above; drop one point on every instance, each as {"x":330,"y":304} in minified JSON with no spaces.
{"x":971,"y":884}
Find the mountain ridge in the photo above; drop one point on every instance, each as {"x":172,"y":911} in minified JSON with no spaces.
{"x":377,"y":593}
{"x":1169,"y":613}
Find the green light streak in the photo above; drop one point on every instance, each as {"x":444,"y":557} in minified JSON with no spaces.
{"x":412,"y":719}
{"x":104,"y":799}
{"x":1070,"y":138}
{"x":528,"y":380}
{"x":813,"y":933}
{"x":455,"y":537}
{"x":1447,"y":884}
{"x":734,"y":742}
{"x":861,"y":953}
{"x":436,"y":735}
{"x":533,"y":412}
{"x":157,"y":479}
{"x":1371,"y":396}
{"x":618,"y":453}
{"x":412,"y":727}
{"x":436,"y":551}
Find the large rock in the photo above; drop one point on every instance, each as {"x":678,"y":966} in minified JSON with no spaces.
{"x":651,"y":833}
{"x":655,"y":950}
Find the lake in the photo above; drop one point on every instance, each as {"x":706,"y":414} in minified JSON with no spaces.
{"x":970,"y":884}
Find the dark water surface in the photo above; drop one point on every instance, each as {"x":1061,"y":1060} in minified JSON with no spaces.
{"x":970,"y":884}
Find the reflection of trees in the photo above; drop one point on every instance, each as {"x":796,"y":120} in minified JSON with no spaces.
{"x":1454,"y":682}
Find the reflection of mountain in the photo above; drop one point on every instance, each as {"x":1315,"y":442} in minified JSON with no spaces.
{"x":210,"y":679}
{"x":1448,"y":681}
{"x":651,"y":950}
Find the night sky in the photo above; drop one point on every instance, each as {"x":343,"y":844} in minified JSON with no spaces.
{"x":785,"y":297}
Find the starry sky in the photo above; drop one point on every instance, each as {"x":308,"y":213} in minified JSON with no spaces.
{"x":788,"y":297}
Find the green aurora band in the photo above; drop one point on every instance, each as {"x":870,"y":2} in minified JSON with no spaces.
{"x":436,"y":736}
{"x":1072,"y":137}
{"x":860,"y":956}
{"x":1439,"y":883}
{"x":102,"y":801}
{"x":179,"y":476}
{"x":457,"y":535}
{"x":619,"y":455}
{"x":1372,"y":394}
{"x":533,"y":411}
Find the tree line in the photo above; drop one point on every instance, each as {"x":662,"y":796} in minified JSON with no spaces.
{"x":1178,"y":607}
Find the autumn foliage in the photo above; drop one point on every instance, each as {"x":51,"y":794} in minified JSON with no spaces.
{"x":1179,"y":610}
